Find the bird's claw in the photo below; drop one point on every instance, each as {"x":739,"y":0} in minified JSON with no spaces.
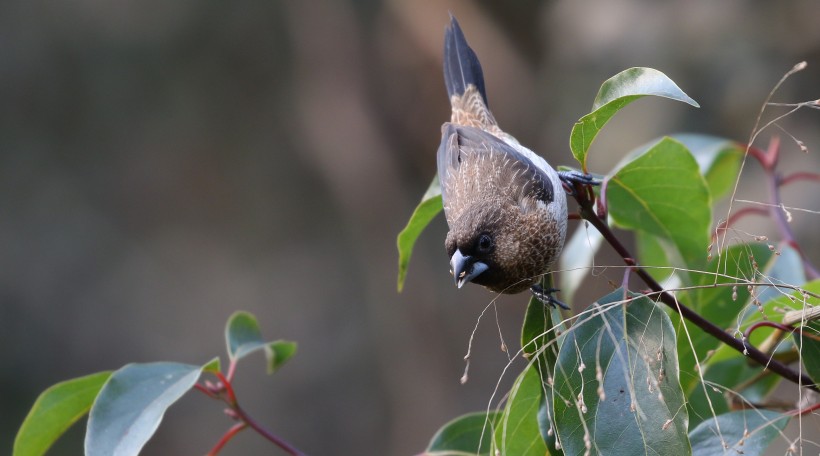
{"x":576,"y":177}
{"x":546,"y":297}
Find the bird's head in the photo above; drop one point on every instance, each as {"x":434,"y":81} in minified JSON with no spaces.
{"x":481,"y":244}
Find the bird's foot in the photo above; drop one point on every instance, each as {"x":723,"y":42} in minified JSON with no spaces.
{"x":546,"y":297}
{"x":576,"y":177}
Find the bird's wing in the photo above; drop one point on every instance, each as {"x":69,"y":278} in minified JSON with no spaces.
{"x":474,"y":165}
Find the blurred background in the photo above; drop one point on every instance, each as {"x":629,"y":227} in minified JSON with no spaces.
{"x":163,"y":164}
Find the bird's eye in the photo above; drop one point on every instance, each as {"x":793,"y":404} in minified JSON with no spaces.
{"x":485,"y":243}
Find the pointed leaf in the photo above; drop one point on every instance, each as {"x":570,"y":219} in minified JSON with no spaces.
{"x":278,"y":353}
{"x":468,"y":434}
{"x":663,"y":193}
{"x":615,"y":93}
{"x":429,"y":206}
{"x":242,"y":335}
{"x":131,"y":405}
{"x":54,"y":411}
{"x":518,"y":430}
{"x":616,"y":381}
{"x":539,"y":343}
{"x":212,"y":366}
{"x":746,"y":432}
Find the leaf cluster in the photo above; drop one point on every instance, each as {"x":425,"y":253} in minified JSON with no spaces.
{"x":126,"y":406}
{"x":631,"y":376}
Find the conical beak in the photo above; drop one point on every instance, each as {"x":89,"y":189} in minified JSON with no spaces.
{"x":465,"y":268}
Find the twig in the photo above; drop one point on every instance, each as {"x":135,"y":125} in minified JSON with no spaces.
{"x":778,"y":326}
{"x":769,"y":162}
{"x":226,"y":437}
{"x":814,"y":177}
{"x":805,"y":411}
{"x":237,"y":413}
{"x":276,"y":440}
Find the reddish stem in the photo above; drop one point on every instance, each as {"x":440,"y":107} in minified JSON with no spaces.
{"x":758,"y":155}
{"x":769,"y":324}
{"x":228,"y":388}
{"x":724,"y":225}
{"x":769,"y":158}
{"x":815,"y":177}
{"x":237,"y":413}
{"x":777,"y":213}
{"x":206,"y":391}
{"x":285,"y":446}
{"x":226,"y":437}
{"x":806,"y":410}
{"x":231,"y":369}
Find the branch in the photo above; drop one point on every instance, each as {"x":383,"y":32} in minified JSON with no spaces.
{"x":237,"y":413}
{"x":753,"y":353}
{"x":276,"y":440}
{"x":229,"y":434}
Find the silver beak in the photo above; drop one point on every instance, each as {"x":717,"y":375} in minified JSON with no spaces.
{"x":465,"y":268}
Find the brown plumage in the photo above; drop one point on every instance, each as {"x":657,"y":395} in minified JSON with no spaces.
{"x":505,"y":206}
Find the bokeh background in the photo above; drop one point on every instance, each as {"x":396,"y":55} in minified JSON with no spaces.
{"x":163,"y":164}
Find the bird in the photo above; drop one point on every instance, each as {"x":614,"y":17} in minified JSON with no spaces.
{"x":505,"y":206}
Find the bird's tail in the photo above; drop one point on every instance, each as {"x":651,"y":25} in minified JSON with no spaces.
{"x":461,"y":66}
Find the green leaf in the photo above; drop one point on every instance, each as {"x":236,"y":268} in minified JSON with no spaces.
{"x":616,"y":381}
{"x":517,"y":432}
{"x":734,"y":373}
{"x":746,"y":432}
{"x":729,"y":368}
{"x":718,"y":159}
{"x":539,"y":332}
{"x":808,"y":344}
{"x":278,"y":353}
{"x":615,"y":93}
{"x":429,"y":206}
{"x":212,"y":366}
{"x":243,"y":337}
{"x":663,"y":193}
{"x":131,"y":404}
{"x":786,"y":268}
{"x":539,"y":344}
{"x":715,"y":303}
{"x":468,"y":434}
{"x":54,"y":411}
{"x":652,"y":256}
{"x":735,"y":264}
{"x":810,"y":349}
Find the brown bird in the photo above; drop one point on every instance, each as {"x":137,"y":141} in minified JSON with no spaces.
{"x":505,"y":206}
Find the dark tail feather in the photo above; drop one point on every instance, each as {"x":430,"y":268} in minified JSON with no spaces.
{"x":461,"y":65}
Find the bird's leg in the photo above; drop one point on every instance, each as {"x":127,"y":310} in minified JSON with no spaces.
{"x":545,"y":296}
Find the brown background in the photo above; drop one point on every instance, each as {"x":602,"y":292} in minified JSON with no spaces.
{"x":163,"y":164}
